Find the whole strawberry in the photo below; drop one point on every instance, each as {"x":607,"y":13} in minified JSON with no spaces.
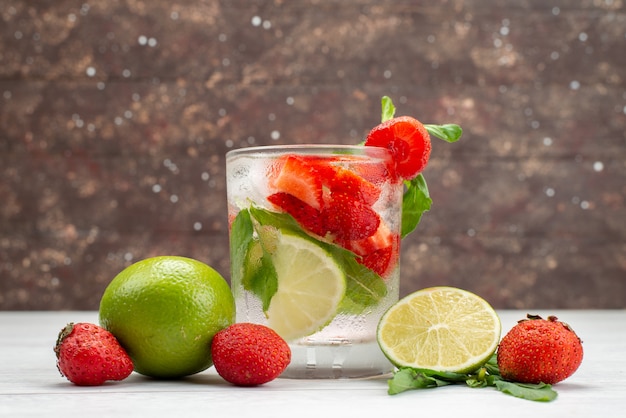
{"x":88,"y":355}
{"x":247,"y":354}
{"x":539,"y":350}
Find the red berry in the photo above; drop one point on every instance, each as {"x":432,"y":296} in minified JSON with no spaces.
{"x":300,"y":179}
{"x":539,"y":350}
{"x":378,"y":252}
{"x":307,"y":216}
{"x":409,"y":143}
{"x":348,"y":218}
{"x":346,"y":182}
{"x":88,"y":355}
{"x":325,"y":198}
{"x":247,"y":354}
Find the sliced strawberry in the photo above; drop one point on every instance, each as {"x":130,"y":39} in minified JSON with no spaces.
{"x":300,"y":179}
{"x":408,"y":141}
{"x":376,"y":174}
{"x":346,"y":182}
{"x":307,"y":216}
{"x":381,"y":261}
{"x":378,"y":252}
{"x":383,"y":237}
{"x":348,"y":218}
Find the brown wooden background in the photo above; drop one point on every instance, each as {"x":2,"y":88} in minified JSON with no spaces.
{"x":115,"y":117}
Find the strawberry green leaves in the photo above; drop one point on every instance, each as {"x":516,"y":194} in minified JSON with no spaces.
{"x":405,"y":379}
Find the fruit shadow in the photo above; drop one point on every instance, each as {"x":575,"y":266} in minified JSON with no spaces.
{"x":203,"y":378}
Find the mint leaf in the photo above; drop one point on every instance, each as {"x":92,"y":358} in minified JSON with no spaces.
{"x":449,"y":132}
{"x":251,"y":264}
{"x":388,"y":109}
{"x":540,"y":392}
{"x":408,"y":379}
{"x":534,"y":392}
{"x":263,"y":281}
{"x":492,"y":365}
{"x":415,"y":201}
{"x":241,"y":236}
{"x":276,"y":219}
{"x":364,"y":288}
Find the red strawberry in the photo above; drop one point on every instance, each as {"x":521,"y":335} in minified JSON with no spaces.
{"x":539,"y":350}
{"x":378,"y":252}
{"x":300,"y":179}
{"x":383,"y":237}
{"x":347,"y":182}
{"x":348,"y":218}
{"x":248,"y":354}
{"x":88,"y":355}
{"x":408,"y":141}
{"x":376,"y":174}
{"x":381,"y":261}
{"x":308,"y":217}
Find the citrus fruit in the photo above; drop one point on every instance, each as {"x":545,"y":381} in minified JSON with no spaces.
{"x":310,"y":287}
{"x":441,"y":328}
{"x":165,"y":311}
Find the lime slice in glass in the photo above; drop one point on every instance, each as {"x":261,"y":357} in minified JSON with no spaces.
{"x":311,"y":286}
{"x":444,"y":329}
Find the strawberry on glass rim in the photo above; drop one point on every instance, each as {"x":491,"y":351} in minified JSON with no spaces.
{"x":408,"y":141}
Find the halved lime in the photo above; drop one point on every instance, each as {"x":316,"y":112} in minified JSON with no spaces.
{"x":310,"y":287}
{"x":440,"y":328}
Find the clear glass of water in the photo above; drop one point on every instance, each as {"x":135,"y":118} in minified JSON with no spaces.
{"x":315,"y":245}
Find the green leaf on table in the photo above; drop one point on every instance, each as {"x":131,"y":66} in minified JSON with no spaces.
{"x":406,"y":378}
{"x":415,"y":201}
{"x":535,"y":392}
{"x":409,"y":379}
{"x":492,"y":365}
{"x":540,"y":392}
{"x":449,"y":132}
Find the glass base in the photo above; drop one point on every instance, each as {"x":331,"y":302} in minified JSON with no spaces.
{"x":337,"y":360}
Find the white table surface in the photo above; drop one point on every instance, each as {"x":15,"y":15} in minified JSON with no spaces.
{"x":30,"y":384}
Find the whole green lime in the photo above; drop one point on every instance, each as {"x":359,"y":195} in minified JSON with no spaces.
{"x":165,"y":311}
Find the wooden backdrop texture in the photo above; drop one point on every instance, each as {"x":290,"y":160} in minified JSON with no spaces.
{"x":116,"y":115}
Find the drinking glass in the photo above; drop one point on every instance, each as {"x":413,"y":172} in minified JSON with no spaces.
{"x":343,"y":205}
